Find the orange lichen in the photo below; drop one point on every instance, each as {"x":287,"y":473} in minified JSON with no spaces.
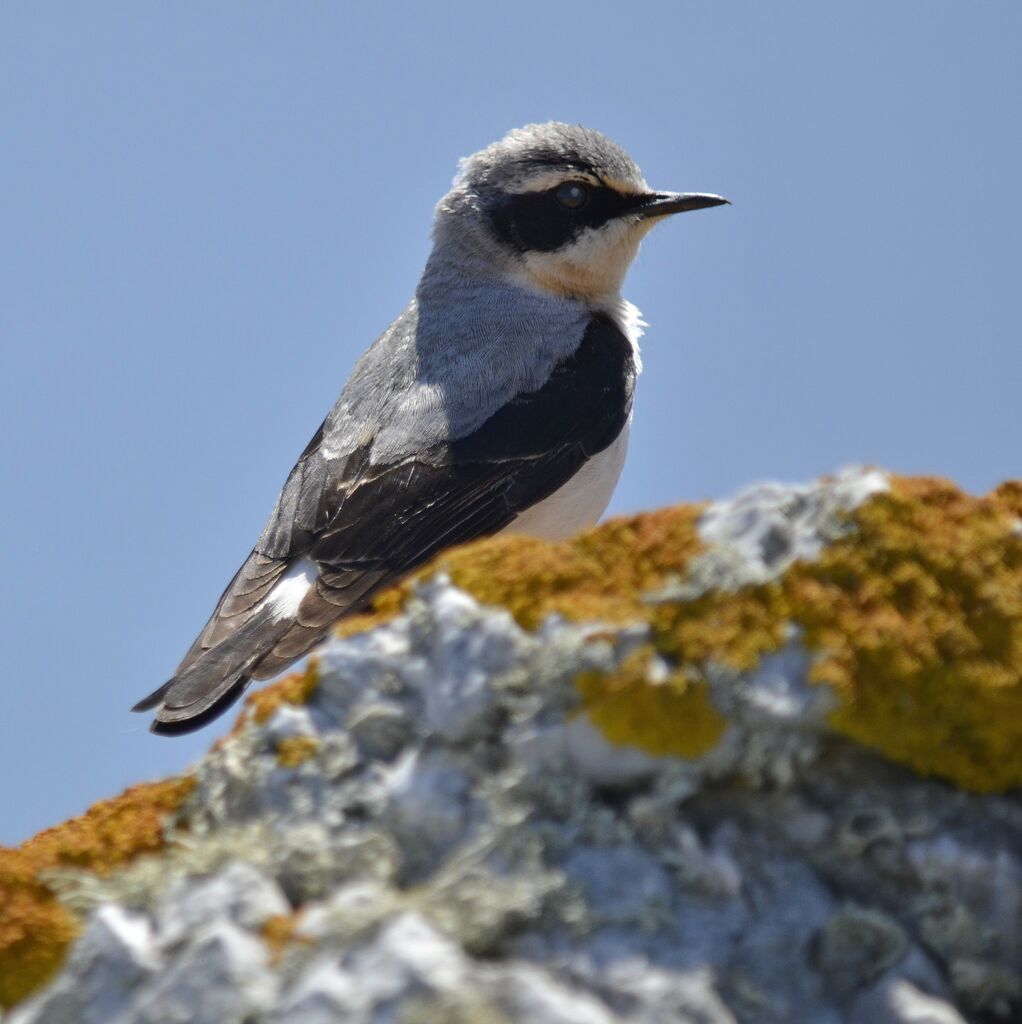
{"x":112,"y":832}
{"x":736,"y":628}
{"x":281,"y":931}
{"x":918,"y":619}
{"x":602,"y":574}
{"x":295,"y":750}
{"x":35,"y":929}
{"x":668,"y":716}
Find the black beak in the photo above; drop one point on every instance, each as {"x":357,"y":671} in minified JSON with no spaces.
{"x":660,"y":204}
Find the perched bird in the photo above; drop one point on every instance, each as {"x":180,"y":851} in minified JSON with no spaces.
{"x":500,"y":399}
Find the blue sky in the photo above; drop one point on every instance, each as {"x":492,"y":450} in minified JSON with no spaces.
{"x":207,"y":211}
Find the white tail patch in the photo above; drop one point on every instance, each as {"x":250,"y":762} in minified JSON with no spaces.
{"x":284,"y":599}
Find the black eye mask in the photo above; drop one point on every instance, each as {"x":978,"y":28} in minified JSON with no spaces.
{"x":544,"y":222}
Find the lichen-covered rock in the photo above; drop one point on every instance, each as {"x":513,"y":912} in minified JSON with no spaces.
{"x":758,"y":761}
{"x":35,"y":927}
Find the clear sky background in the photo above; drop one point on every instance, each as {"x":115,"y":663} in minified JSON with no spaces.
{"x":207,"y":211}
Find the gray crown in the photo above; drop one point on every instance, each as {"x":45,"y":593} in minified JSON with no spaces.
{"x":554,"y":145}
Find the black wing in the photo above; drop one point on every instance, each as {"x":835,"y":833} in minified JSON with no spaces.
{"x":366,"y":526}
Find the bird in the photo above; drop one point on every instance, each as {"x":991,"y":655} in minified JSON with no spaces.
{"x":499,"y":400}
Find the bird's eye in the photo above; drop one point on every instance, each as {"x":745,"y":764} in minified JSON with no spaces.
{"x":572,"y":194}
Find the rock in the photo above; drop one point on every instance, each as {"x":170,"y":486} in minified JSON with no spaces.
{"x":899,"y":1002}
{"x":238,"y":892}
{"x":221,"y":976}
{"x":115,"y":957}
{"x":755,"y":762}
{"x":528,"y":994}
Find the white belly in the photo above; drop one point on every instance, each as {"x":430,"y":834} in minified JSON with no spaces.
{"x":581,"y":501}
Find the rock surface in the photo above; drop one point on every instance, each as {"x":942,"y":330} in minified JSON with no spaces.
{"x":476,"y":811}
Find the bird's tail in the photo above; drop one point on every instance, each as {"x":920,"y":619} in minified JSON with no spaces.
{"x":217,"y":678}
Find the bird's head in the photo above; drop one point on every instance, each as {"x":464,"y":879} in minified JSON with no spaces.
{"x":556,"y":207}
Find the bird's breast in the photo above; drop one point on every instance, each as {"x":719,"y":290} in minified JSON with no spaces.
{"x":580,"y":502}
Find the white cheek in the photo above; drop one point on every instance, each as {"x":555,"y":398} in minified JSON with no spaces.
{"x":607,"y":246}
{"x":593,"y":266}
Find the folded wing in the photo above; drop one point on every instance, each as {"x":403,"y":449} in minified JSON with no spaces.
{"x":362,"y":526}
